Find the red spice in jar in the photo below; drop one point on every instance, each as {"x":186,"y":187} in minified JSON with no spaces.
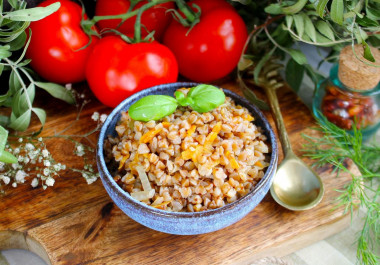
{"x":344,"y":108}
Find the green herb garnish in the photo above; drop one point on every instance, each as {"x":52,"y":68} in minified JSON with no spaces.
{"x":201,"y":98}
{"x":334,"y":147}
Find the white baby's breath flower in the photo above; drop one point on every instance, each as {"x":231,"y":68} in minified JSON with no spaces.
{"x":14,"y":166}
{"x":47,"y":163}
{"x":29,"y":146}
{"x":95,"y":116}
{"x":20,"y":176}
{"x":91,"y":179}
{"x":69,"y":86}
{"x":34,"y":182}
{"x":1,"y":167}
{"x":6,"y":180}
{"x":45,"y":153}
{"x":14,"y":184}
{"x":79,"y":150}
{"x":26,"y":160}
{"x":20,"y":140}
{"x":46,"y":171}
{"x":40,"y":139}
{"x":103,"y":118}
{"x":16,"y":151}
{"x":49,"y":181}
{"x":20,"y":158}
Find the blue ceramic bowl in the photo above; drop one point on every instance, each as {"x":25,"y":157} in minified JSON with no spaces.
{"x":184,"y":223}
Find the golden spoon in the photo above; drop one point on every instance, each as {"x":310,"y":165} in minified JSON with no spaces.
{"x":295,"y":186}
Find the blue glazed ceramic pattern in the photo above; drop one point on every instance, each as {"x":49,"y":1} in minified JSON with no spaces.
{"x":184,"y":223}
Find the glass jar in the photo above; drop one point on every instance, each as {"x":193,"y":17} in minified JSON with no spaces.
{"x":345,"y":107}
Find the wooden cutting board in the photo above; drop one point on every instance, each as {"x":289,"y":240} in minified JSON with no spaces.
{"x":76,"y":223}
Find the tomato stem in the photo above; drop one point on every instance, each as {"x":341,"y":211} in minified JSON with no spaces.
{"x":189,"y":13}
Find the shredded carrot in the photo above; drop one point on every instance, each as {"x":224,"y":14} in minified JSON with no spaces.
{"x":122,"y":162}
{"x":213,"y":134}
{"x":161,"y":206}
{"x":191,"y":130}
{"x":166,"y":124}
{"x":234,"y":164}
{"x":193,"y":154}
{"x":248,"y":117}
{"x":187,"y":154}
{"x":259,"y":164}
{"x":147,"y":137}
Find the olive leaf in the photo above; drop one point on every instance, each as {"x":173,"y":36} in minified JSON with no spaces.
{"x":57,"y":91}
{"x":325,"y":29}
{"x":294,"y":74}
{"x":297,"y":7}
{"x":321,"y":7}
{"x":337,"y":10}
{"x":297,"y":55}
{"x":32,"y":14}
{"x":22,"y":122}
{"x":299,"y":23}
{"x":309,"y":27}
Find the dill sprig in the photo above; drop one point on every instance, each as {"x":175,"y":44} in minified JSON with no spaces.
{"x":334,"y":147}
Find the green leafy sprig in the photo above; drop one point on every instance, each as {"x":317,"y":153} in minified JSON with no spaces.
{"x":20,"y":94}
{"x":334,"y":147}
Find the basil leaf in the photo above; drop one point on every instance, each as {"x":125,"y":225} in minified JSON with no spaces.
{"x":33,"y":14}
{"x":152,"y":107}
{"x":206,"y":97}
{"x":57,"y":91}
{"x":7,"y":157}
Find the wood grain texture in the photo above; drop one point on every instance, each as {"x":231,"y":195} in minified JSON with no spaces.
{"x":78,"y":223}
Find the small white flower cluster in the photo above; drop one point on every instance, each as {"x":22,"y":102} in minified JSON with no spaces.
{"x":33,"y":160}
{"x":99,"y":118}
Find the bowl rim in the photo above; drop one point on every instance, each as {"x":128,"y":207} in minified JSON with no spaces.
{"x":104,"y":172}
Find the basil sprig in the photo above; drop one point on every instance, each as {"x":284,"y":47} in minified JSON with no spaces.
{"x":201,"y":98}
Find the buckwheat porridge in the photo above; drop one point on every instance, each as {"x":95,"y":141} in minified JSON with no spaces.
{"x":189,"y":161}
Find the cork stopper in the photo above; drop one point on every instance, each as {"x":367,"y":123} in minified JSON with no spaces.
{"x":354,"y":73}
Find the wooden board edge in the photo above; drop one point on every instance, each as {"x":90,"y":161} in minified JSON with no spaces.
{"x":297,"y":242}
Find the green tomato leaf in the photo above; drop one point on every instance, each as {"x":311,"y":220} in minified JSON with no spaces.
{"x":57,"y":91}
{"x":294,"y":74}
{"x":21,"y":123}
{"x":293,"y":9}
{"x":41,"y":114}
{"x":321,"y":7}
{"x":152,"y":107}
{"x":33,"y":14}
{"x":273,"y":9}
{"x":367,"y":52}
{"x":325,"y":30}
{"x":7,"y":157}
{"x":206,"y":97}
{"x":297,"y":55}
{"x":299,"y":22}
{"x":309,"y":27}
{"x":337,"y":10}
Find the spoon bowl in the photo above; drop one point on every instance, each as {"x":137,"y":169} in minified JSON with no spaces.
{"x":296,"y":186}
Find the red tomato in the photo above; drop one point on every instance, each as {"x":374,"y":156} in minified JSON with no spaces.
{"x":212,"y":49}
{"x":115,"y":70}
{"x":55,"y":43}
{"x":154,"y":18}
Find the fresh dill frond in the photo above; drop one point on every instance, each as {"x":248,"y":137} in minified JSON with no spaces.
{"x":334,"y":147}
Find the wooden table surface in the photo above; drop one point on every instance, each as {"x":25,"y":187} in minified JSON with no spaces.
{"x":77,"y":223}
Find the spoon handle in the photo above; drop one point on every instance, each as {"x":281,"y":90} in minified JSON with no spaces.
{"x":277,"y":116}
